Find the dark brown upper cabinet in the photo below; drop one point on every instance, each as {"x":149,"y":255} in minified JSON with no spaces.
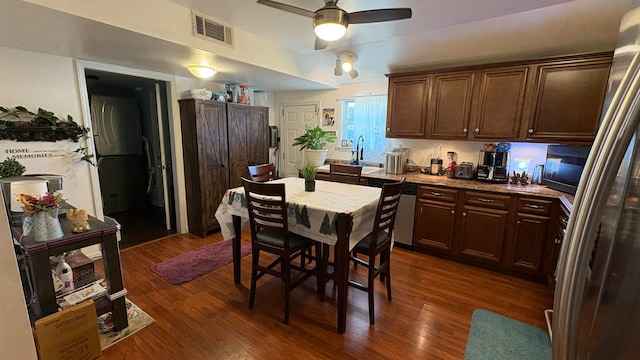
{"x":546,"y":100}
{"x":499,"y":103}
{"x":450,"y":105}
{"x":567,"y":99}
{"x":407,"y":107}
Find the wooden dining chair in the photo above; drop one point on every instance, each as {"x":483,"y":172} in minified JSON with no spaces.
{"x":378,"y":242}
{"x":348,"y":174}
{"x":270,"y":233}
{"x":262,"y":173}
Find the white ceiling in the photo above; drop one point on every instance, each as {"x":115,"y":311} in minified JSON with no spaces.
{"x":440,"y":33}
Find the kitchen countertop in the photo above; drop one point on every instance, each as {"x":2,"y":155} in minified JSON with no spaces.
{"x":433,"y":180}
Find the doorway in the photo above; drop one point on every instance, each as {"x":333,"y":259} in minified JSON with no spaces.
{"x":129,"y":118}
{"x":295,"y":119}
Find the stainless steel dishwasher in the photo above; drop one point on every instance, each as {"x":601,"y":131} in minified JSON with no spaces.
{"x":403,"y":227}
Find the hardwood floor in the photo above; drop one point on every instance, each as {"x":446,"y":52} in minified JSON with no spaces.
{"x":208,"y":318}
{"x":141,"y":225}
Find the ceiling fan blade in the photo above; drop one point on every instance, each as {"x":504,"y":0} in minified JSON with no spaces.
{"x":379,"y":15}
{"x":285,"y":7}
{"x":321,"y":44}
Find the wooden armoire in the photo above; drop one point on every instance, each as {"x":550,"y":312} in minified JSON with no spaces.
{"x":219,"y":141}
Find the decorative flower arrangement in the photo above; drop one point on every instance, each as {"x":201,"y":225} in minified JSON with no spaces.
{"x":35,"y":203}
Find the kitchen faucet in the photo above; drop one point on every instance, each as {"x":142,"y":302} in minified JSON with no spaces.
{"x":359,"y":150}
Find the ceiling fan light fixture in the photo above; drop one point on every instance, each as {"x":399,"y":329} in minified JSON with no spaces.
{"x":337,"y":71}
{"x":202,"y":71}
{"x":347,"y":65}
{"x":330,"y":31}
{"x":330,"y":24}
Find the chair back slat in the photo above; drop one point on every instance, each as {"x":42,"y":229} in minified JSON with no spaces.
{"x":262,"y":173}
{"x":348,"y":174}
{"x":266,"y":203}
{"x":387,"y":209}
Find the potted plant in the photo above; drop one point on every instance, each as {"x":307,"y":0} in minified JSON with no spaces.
{"x":11,"y":167}
{"x":309,"y":173}
{"x":314,"y":140}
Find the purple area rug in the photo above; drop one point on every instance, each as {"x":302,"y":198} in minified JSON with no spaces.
{"x":193,"y":264}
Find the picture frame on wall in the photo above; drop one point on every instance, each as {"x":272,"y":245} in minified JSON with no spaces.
{"x":328,"y":117}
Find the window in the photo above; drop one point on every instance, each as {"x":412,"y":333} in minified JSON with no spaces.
{"x":365,"y":116}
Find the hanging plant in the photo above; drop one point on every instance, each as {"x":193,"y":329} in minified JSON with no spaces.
{"x":20,"y":124}
{"x":11,"y":167}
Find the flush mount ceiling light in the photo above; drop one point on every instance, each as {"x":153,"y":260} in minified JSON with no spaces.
{"x":202,"y":71}
{"x":345,"y":64}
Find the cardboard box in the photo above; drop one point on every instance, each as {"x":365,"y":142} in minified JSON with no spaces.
{"x":70,"y":334}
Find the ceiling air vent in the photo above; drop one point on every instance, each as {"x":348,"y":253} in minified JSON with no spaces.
{"x":212,"y":30}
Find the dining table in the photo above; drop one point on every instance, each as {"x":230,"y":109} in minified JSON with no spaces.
{"x":335,"y":214}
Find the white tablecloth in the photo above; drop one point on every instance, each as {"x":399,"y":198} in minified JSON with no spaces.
{"x":311,"y":214}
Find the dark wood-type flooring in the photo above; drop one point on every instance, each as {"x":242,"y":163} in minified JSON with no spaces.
{"x":208,"y":318}
{"x":141,"y":225}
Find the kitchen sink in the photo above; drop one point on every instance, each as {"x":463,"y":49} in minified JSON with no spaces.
{"x":365,"y":169}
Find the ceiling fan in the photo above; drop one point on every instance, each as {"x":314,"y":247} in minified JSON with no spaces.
{"x":330,"y":22}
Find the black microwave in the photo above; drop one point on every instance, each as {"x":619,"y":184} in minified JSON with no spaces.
{"x":563,"y":167}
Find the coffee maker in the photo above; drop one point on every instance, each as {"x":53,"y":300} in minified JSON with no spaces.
{"x":492,"y":166}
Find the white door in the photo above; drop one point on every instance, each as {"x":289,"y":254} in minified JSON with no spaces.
{"x":294,"y":120}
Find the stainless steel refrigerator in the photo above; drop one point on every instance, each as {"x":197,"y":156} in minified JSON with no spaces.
{"x":597,"y":301}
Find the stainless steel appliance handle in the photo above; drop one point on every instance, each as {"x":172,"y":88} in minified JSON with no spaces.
{"x":616,"y":130}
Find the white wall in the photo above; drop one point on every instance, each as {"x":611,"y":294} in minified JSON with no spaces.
{"x":421,"y":150}
{"x":36,"y":80}
{"x":16,"y":339}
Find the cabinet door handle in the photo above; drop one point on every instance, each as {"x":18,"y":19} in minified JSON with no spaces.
{"x":533,"y":206}
{"x":436,"y":193}
{"x":557,"y":240}
{"x":564,"y":232}
{"x":389,"y":129}
{"x":530,"y":131}
{"x":477,"y":130}
{"x":465,"y":130}
{"x":464,"y":214}
{"x":518,"y":222}
{"x":564,"y":221}
{"x":453,"y":212}
{"x":485,"y":200}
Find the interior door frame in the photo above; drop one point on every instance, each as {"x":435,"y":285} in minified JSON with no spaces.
{"x":283,"y":138}
{"x":180,"y":197}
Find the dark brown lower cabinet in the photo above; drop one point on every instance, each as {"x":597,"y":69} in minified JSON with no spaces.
{"x":527,"y":244}
{"x":555,"y":237}
{"x":435,"y":220}
{"x":435,"y":226}
{"x":484,"y":233}
{"x":497,"y":231}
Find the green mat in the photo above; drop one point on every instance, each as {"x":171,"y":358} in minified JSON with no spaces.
{"x":496,"y":337}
